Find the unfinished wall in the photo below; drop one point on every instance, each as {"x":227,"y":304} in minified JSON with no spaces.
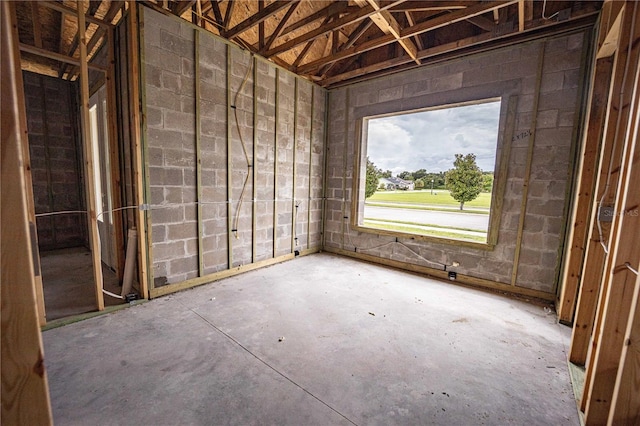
{"x":226,"y":187}
{"x":55,"y":160}
{"x":508,"y":72}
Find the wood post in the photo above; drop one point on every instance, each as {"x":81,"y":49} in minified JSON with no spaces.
{"x":199,"y":198}
{"x":25,"y":393}
{"x":587,"y":174}
{"x":618,"y":282}
{"x":229,"y":165}
{"x":138,"y":148}
{"x":92,"y":222}
{"x":275,"y":165}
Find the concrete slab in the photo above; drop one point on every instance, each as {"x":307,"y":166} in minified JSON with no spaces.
{"x":67,"y":280}
{"x":317,"y":340}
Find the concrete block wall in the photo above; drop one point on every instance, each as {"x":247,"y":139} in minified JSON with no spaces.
{"x":173,"y":56}
{"x":506,"y":72}
{"x":55,"y":160}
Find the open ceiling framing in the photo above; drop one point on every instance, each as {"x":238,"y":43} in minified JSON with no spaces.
{"x":329,"y":42}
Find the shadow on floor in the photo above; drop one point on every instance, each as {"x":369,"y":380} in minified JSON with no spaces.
{"x":67,"y":277}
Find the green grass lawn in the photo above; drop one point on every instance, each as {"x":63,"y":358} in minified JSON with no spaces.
{"x":440,"y":197}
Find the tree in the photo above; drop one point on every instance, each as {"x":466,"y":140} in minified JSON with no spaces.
{"x":419,"y":174}
{"x":406,"y":175}
{"x":373,"y":174}
{"x":419,"y":184}
{"x":464,"y":181}
{"x":386,"y":174}
{"x":487,"y":182}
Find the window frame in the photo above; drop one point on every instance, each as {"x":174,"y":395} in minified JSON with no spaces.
{"x":506,"y":126}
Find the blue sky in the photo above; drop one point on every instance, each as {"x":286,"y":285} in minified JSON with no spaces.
{"x":430,"y":139}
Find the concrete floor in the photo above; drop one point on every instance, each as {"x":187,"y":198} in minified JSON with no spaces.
{"x":67,"y":281}
{"x":319,"y":340}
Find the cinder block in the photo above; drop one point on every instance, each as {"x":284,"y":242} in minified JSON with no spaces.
{"x":575,"y":41}
{"x":162,"y":59}
{"x":552,"y":81}
{"x":154,"y":117}
{"x":168,"y":251}
{"x":547,"y":119}
{"x":450,"y":82}
{"x":183,"y":265}
{"x":180,"y":121}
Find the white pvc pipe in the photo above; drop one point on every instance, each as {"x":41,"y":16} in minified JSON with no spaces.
{"x":130,"y":261}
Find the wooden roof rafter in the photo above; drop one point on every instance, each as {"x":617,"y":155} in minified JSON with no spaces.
{"x":389,"y":25}
{"x":334,"y":42}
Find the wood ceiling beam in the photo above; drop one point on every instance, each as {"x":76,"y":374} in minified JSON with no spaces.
{"x":521,"y":15}
{"x":411,"y":23}
{"x":227,"y":16}
{"x":435,"y":23}
{"x":260,"y":26}
{"x":35,"y":18}
{"x":351,"y":18}
{"x":217,"y":15}
{"x":93,"y":7}
{"x":276,"y":33}
{"x":457,"y":16}
{"x":70,"y":11}
{"x":423,"y":6}
{"x":482,"y":23}
{"x":304,"y":51}
{"x":101,"y":32}
{"x":57,"y":57}
{"x":332,"y":9}
{"x":353,"y":37}
{"x":180,"y":7}
{"x":389,"y":25}
{"x":257,"y":18}
{"x":392,"y":65}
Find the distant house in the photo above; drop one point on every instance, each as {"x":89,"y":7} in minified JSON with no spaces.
{"x":393,"y":183}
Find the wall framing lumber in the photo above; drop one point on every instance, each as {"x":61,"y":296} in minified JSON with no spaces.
{"x":31,"y":213}
{"x":275,"y":165}
{"x":623,"y":248}
{"x":625,"y":406}
{"x":70,"y":11}
{"x":610,"y":16}
{"x":579,"y":125}
{"x":529,"y":164}
{"x":344,"y":165}
{"x":89,"y":177}
{"x":294,"y":202}
{"x":310,"y":199}
{"x":585,"y":197}
{"x":498,"y":199}
{"x":199,"y":199}
{"x":236,"y":270}
{"x":464,"y":280}
{"x":594,"y":285}
{"x":58,"y":57}
{"x":229,"y":159}
{"x":325,"y":165}
{"x":254,"y":166}
{"x":114,"y":157}
{"x":25,"y":393}
{"x":137,"y":143}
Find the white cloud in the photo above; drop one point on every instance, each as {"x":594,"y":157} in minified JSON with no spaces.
{"x":430,"y":139}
